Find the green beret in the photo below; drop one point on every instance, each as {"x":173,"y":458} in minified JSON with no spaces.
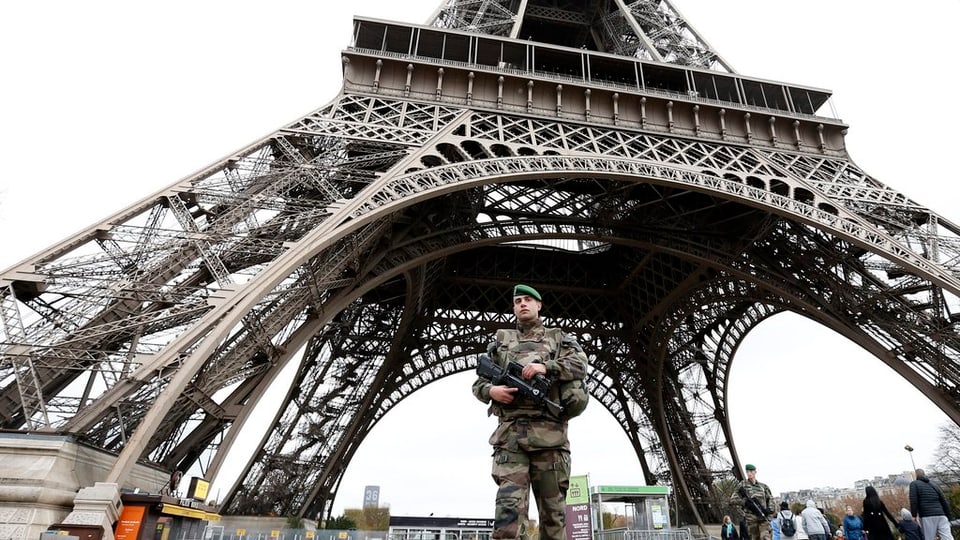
{"x":521,"y":290}
{"x":750,"y":467}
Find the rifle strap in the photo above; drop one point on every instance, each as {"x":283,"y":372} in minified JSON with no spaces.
{"x":502,"y":335}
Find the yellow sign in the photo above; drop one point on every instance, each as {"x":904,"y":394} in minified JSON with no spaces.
{"x":195,"y":513}
{"x":182,"y":511}
{"x":275,"y":534}
{"x":309,"y":534}
{"x":342,"y":534}
{"x":198,"y":489}
{"x":241,"y":532}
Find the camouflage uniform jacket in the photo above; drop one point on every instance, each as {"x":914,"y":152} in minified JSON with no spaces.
{"x":759,"y":492}
{"x":564,"y":360}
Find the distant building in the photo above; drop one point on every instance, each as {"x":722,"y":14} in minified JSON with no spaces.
{"x":439,"y":528}
{"x":371,"y":496}
{"x":885,"y":485}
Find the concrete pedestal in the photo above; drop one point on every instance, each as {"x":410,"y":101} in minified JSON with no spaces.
{"x":43,"y":478}
{"x":97,"y":505}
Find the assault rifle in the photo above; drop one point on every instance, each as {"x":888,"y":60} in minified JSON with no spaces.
{"x":536,"y":389}
{"x":753,"y":505}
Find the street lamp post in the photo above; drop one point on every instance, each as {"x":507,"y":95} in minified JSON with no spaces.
{"x":909,"y":450}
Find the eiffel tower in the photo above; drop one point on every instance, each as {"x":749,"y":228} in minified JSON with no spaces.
{"x":602,"y":151}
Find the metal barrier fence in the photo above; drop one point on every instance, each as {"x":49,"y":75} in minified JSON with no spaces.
{"x":279,"y":533}
{"x":218,"y":533}
{"x":633,"y":534}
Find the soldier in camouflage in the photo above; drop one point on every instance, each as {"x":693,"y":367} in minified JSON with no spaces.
{"x":531,"y":449}
{"x":758,"y":526}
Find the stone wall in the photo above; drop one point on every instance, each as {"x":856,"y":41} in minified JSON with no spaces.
{"x":40,"y":476}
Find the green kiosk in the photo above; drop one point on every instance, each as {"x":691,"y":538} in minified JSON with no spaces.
{"x":633,"y":512}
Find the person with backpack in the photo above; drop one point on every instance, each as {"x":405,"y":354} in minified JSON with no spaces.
{"x":787,"y":521}
{"x":852,"y":525}
{"x":530,"y":444}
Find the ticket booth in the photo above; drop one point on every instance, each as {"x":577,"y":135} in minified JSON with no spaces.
{"x":149,"y":516}
{"x":635,"y":508}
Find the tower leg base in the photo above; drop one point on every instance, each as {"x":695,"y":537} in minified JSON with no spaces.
{"x":97,"y":505}
{"x":46,"y":479}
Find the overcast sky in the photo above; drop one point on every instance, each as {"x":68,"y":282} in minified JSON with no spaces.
{"x":104,"y":103}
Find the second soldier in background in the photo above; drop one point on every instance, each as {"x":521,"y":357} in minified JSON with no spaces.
{"x":755,"y":502}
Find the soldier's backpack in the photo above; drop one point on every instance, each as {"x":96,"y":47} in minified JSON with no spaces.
{"x":574,"y":395}
{"x":574,"y":398}
{"x":788,"y":527}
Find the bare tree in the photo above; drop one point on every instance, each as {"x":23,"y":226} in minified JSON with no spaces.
{"x":947,"y":457}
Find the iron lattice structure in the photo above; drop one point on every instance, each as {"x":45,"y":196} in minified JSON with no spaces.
{"x":600,"y":151}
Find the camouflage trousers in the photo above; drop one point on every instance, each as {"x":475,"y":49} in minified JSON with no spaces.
{"x":547,"y":471}
{"x":759,"y":529}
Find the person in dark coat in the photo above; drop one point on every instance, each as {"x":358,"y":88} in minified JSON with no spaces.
{"x":929,"y":505}
{"x":908,"y":527}
{"x":874,"y":512}
{"x":727,"y":530}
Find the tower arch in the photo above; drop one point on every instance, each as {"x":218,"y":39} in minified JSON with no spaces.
{"x":133,"y":299}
